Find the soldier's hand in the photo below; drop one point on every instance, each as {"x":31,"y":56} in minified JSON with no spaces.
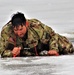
{"x":16,"y":51}
{"x":53,"y":53}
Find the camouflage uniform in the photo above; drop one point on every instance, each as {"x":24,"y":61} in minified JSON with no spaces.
{"x":38,"y":38}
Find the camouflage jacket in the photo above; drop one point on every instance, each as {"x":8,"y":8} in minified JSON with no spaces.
{"x":39,"y":37}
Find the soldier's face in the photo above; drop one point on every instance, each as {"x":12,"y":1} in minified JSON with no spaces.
{"x":20,"y":30}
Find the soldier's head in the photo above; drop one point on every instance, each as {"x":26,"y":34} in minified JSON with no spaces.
{"x":19,"y":24}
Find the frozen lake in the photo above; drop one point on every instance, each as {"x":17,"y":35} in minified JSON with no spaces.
{"x":55,"y":65}
{"x":58,"y":14}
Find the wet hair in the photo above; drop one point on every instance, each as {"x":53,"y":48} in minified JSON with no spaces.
{"x":18,"y":19}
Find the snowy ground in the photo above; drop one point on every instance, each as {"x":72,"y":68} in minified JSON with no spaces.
{"x":58,"y":14}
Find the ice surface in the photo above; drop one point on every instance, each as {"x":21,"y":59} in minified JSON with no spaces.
{"x":55,"y":65}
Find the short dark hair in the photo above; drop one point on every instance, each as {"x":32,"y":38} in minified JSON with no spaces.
{"x":18,"y":19}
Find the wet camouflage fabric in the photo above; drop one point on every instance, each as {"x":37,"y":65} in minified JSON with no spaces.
{"x":40,"y":38}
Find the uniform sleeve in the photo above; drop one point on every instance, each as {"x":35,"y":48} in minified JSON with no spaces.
{"x":47,"y":33}
{"x":5,"y":49}
{"x":48,"y":36}
{"x":53,"y":41}
{"x":65,"y":45}
{"x":59,"y":43}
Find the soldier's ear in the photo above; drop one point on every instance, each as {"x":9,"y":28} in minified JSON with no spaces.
{"x":27,"y":23}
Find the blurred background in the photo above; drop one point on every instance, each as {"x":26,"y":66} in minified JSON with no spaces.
{"x":58,"y":14}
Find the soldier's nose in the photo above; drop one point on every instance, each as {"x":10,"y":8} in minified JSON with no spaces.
{"x":19,"y":33}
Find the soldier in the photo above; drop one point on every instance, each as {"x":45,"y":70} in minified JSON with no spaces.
{"x":29,"y":37}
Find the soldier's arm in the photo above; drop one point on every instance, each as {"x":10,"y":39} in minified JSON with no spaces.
{"x":53,"y":44}
{"x":66,"y":46}
{"x":5,"y":52}
{"x":57,"y":42}
{"x":6,"y":45}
